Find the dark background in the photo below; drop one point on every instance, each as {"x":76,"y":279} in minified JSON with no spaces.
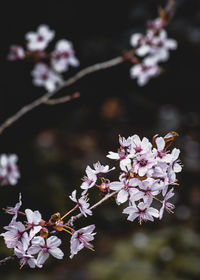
{"x":55,"y":144}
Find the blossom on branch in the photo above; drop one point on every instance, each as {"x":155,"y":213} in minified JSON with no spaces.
{"x":39,"y":40}
{"x":43,"y":76}
{"x":81,"y":238}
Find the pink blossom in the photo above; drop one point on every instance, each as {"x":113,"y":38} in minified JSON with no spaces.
{"x":33,"y":222}
{"x":123,"y":157}
{"x":167,"y":205}
{"x":140,"y":146}
{"x":14,"y":210}
{"x":155,"y":24}
{"x":125,"y":143}
{"x":124,"y":189}
{"x":43,"y":76}
{"x":63,"y":56}
{"x":9,"y":173}
{"x":160,"y":152}
{"x":144,"y":72}
{"x":45,"y":247}
{"x":81,"y":238}
{"x":22,"y":252}
{"x":176,"y":167}
{"x":143,"y":164}
{"x":39,"y":40}
{"x":99,"y":168}
{"x":82,"y":203}
{"x":148,"y":189}
{"x":90,"y":180}
{"x":161,"y":46}
{"x":16,"y":53}
{"x":142,"y":212}
{"x":14,"y":232}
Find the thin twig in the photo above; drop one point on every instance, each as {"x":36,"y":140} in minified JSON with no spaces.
{"x":3,"y":261}
{"x":64,"y":99}
{"x":44,"y":99}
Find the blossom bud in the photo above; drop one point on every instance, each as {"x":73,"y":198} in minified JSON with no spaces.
{"x":44,"y":232}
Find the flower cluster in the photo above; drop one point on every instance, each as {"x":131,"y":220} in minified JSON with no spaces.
{"x":49,"y":65}
{"x":9,"y":173}
{"x":148,"y":171}
{"x":146,"y":182}
{"x":151,"y":49}
{"x":148,"y":175}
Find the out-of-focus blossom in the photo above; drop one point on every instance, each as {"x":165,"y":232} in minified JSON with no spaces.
{"x":45,"y":247}
{"x":63,"y":56}
{"x":82,"y":203}
{"x":81,"y":238}
{"x":39,"y":40}
{"x":43,"y":76}
{"x":144,"y":72}
{"x":16,"y":53}
{"x":9,"y":173}
{"x":152,"y":48}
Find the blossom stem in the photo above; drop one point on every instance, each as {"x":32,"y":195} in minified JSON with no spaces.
{"x":67,"y":231}
{"x":73,"y":209}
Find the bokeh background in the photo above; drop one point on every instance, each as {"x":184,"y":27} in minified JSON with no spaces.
{"x":55,"y":144}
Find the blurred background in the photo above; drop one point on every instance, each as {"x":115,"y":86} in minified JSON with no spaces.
{"x":56,"y":143}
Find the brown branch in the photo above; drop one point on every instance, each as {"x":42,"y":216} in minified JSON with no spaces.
{"x":3,"y":261}
{"x":45,"y":98}
{"x":64,"y":99}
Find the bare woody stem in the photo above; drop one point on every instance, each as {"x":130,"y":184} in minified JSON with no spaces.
{"x":78,"y":216}
{"x":3,"y":261}
{"x":45,"y":98}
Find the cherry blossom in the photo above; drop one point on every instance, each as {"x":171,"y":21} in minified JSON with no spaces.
{"x":39,"y":40}
{"x":33,"y":222}
{"x":99,"y":168}
{"x":124,"y":189}
{"x":140,"y":146}
{"x":14,"y":210}
{"x":43,"y":76}
{"x":82,"y":203}
{"x":9,"y":173}
{"x":144,"y":72}
{"x":89,"y":180}
{"x":22,"y":252}
{"x":141,"y":212}
{"x":63,"y":56}
{"x":81,"y":238}
{"x":45,"y":247}
{"x":16,"y":53}
{"x":167,"y":205}
{"x":14,"y":232}
{"x":149,"y":188}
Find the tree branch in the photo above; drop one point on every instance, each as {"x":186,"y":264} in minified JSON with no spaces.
{"x":45,"y":98}
{"x":3,"y":261}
